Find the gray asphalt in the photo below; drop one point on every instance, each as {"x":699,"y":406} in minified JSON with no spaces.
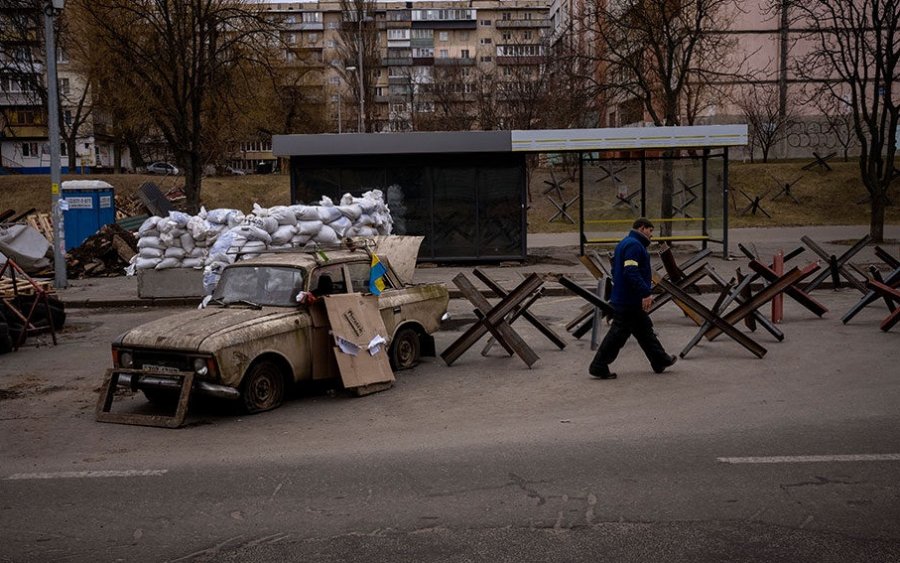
{"x":485,"y":460}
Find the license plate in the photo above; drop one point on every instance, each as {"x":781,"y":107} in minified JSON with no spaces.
{"x":165,"y":369}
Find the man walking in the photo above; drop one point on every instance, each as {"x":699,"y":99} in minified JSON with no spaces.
{"x":631,"y":300}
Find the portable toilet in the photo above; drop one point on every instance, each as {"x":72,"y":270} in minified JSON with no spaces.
{"x":88,"y":206}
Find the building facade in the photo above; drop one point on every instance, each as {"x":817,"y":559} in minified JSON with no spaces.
{"x":423,"y":64}
{"x":23,"y":116}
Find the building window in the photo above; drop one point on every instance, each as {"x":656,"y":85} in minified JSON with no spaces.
{"x":445,"y":54}
{"x":334,"y":25}
{"x":290,"y":38}
{"x":335,"y":80}
{"x":464,"y":54}
{"x":485,"y":59}
{"x":506,"y":16}
{"x":527,"y":35}
{"x":313,"y":37}
{"x":30,"y":150}
{"x":8,"y":84}
{"x":67,"y":117}
{"x":62,"y":56}
{"x":444,"y":36}
{"x":507,"y":36}
{"x":312,"y":17}
{"x":486,"y":23}
{"x":486,"y":41}
{"x":329,"y":43}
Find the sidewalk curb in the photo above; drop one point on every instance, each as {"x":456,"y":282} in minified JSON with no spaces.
{"x":547,"y":290}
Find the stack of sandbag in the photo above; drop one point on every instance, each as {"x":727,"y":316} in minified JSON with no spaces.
{"x":214,"y":239}
{"x":181,"y":240}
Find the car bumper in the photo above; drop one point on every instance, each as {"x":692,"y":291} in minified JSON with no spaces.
{"x":142,"y":380}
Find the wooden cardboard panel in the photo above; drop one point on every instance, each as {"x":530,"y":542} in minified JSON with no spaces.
{"x":355,"y":319}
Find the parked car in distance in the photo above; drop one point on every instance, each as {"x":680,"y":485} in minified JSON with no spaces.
{"x":253,"y":339}
{"x":162,"y":168}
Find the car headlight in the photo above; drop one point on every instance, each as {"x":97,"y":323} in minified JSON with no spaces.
{"x":200,"y":366}
{"x":126,"y":360}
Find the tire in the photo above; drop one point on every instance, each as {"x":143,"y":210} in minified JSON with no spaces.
{"x":406,"y":350}
{"x":263,"y":387}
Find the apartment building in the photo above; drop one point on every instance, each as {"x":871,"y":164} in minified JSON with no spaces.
{"x":422,"y":63}
{"x":23,"y":114}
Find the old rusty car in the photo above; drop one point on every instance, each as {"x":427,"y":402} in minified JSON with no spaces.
{"x":252,"y":340}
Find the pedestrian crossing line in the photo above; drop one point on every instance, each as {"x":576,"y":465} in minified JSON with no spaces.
{"x":811,"y":458}
{"x":88,"y":474}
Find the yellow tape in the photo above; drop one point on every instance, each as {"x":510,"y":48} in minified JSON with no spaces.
{"x":631,"y":263}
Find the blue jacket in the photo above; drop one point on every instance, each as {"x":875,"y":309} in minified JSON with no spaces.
{"x":631,"y":271}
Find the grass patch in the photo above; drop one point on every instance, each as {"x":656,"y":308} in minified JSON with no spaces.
{"x":826,"y":198}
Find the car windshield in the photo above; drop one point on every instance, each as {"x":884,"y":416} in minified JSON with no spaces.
{"x":260,"y":285}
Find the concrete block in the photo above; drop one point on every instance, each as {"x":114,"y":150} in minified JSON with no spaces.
{"x":173,"y":282}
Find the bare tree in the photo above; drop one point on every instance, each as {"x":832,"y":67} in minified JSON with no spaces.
{"x":839,"y":117}
{"x":189,"y":58}
{"x":768,"y":125}
{"x":650,"y":51}
{"x":451,"y":92}
{"x":359,"y":45}
{"x":855,"y":55}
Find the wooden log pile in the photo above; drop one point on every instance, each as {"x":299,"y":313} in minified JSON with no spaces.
{"x":104,"y":254}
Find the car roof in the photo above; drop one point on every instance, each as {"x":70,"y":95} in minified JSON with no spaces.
{"x":303,"y":258}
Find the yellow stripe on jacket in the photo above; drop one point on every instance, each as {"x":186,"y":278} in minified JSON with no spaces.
{"x":630,"y":263}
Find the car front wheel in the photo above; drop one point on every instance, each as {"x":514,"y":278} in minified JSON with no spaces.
{"x":405,"y":349}
{"x":263,"y":387}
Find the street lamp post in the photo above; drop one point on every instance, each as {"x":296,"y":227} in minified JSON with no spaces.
{"x":360,"y":44}
{"x":359,"y":118}
{"x":51,"y":9}
{"x":362,"y":77}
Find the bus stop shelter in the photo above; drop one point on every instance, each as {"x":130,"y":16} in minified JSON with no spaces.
{"x":466,"y":192}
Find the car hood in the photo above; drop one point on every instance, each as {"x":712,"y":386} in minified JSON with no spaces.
{"x":189,"y":330}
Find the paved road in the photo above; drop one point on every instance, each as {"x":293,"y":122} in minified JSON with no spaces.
{"x":485,"y":460}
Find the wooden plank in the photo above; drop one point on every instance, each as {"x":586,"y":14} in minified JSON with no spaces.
{"x":799,"y":295}
{"x":523,"y":311}
{"x":761,"y":298}
{"x":492,"y":319}
{"x":716,"y":320}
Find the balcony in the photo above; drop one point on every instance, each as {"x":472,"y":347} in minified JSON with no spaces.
{"x":521,"y":60}
{"x":454,"y":61}
{"x":398,"y":61}
{"x":445,"y":24}
{"x":522,"y":24}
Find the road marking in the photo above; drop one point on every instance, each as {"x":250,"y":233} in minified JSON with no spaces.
{"x":810,"y":458}
{"x":88,"y":474}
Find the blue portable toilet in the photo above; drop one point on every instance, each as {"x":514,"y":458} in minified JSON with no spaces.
{"x":89,"y":205}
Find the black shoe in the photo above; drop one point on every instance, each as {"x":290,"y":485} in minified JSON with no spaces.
{"x":601,"y":374}
{"x":669,"y":363}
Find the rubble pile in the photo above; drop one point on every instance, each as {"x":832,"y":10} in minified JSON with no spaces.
{"x":106,"y":253}
{"x":213,"y":239}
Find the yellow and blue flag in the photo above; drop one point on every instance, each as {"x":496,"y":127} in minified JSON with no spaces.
{"x":376,"y":276}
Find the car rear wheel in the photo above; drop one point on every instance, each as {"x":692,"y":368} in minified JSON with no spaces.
{"x":263,"y":387}
{"x":405,"y":349}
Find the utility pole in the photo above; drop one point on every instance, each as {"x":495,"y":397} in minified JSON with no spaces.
{"x":51,"y":8}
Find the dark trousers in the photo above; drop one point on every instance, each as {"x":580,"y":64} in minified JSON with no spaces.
{"x":628,"y":321}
